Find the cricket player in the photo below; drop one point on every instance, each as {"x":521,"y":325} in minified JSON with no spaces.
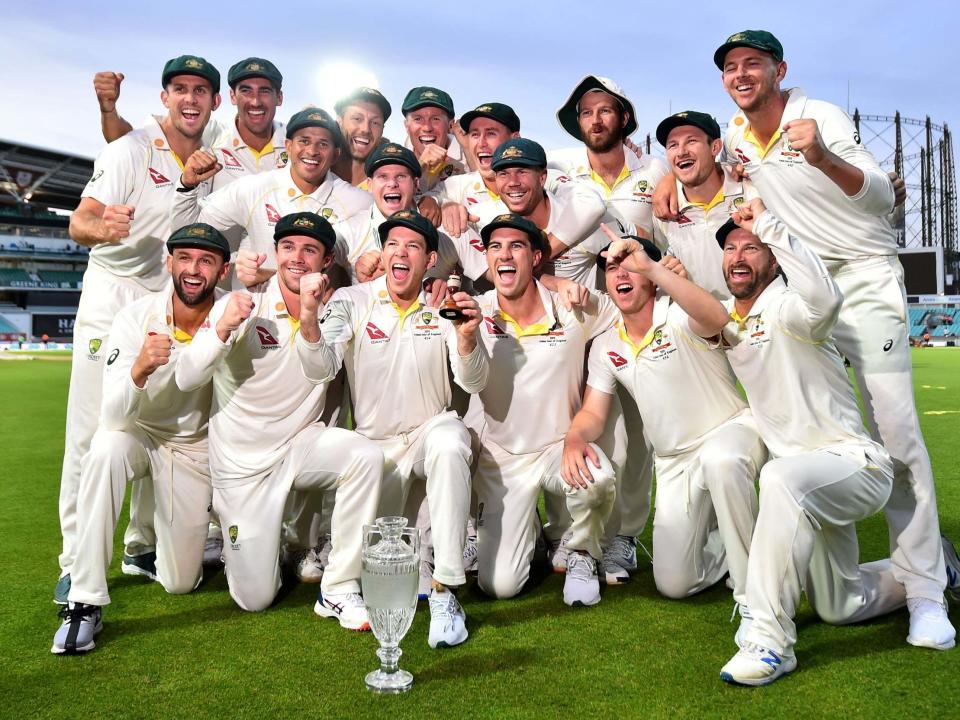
{"x":251,"y":144}
{"x":124,"y":218}
{"x":428,"y":119}
{"x":361,"y":115}
{"x":825,"y":473}
{"x":265,"y":437}
{"x":536,"y":347}
{"x":486,"y":128}
{"x":388,"y":337}
{"x":599,"y":114}
{"x":708,"y":195}
{"x":150,"y":432}
{"x":256,"y":204}
{"x":806,"y":160}
{"x":708,"y":452}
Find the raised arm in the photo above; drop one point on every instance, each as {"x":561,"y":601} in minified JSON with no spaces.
{"x":107,"y":87}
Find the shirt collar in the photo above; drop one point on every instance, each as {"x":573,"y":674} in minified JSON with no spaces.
{"x":320,"y":194}
{"x":661,"y":307}
{"x":539,"y":328}
{"x":771,"y":292}
{"x":382,"y":295}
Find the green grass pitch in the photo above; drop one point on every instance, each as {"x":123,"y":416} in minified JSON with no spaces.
{"x":635,"y":655}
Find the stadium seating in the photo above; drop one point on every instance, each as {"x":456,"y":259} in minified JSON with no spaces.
{"x":15,"y":277}
{"x":70,"y":277}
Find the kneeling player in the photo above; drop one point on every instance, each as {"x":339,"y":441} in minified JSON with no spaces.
{"x":536,"y":348}
{"x":265,"y":437}
{"x":707,"y":449}
{"x":389,"y":339}
{"x":150,"y":432}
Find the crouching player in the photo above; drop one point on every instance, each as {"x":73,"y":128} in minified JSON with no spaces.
{"x":706,"y":445}
{"x":265,"y":436}
{"x":536,"y":348}
{"x":150,"y":432}
{"x":397,"y":350}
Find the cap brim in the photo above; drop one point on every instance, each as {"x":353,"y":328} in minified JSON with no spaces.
{"x":166,"y":78}
{"x":517,"y":162}
{"x":728,"y":227}
{"x":416,"y":170}
{"x":469,"y":117}
{"x":567,"y":114}
{"x":720,"y":55}
{"x":538,"y":243}
{"x":328,"y":243}
{"x":652,"y":251}
{"x":200,"y":245}
{"x":428,"y":103}
{"x":664,"y":128}
{"x":433,"y":240}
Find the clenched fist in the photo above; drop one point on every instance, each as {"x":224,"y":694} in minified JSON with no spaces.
{"x":115,"y":223}
{"x":804,"y":136}
{"x":313,"y":286}
{"x":238,"y":309}
{"x":200,"y":166}
{"x":247,"y":265}
{"x":107,"y":87}
{"x":154,"y":352}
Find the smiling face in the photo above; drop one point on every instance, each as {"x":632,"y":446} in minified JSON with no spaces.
{"x":629,"y":291}
{"x":393,"y":188}
{"x":195,"y":274}
{"x":752,"y":77}
{"x":362,"y":126}
{"x":691,"y":154}
{"x":483,"y":137}
{"x":601,"y":119}
{"x":511,"y":260}
{"x":405,"y":258}
{"x":521,"y":188}
{"x":257,"y":101}
{"x":748,"y":265}
{"x":190,"y":100}
{"x":427,"y":126}
{"x":298,"y":255}
{"x":312,"y":151}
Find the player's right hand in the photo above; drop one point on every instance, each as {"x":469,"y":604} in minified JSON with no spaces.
{"x":154,"y":352}
{"x":665,"y":204}
{"x":574,"y":467}
{"x":747,"y":214}
{"x":313,"y":286}
{"x":247,"y":264}
{"x":432,"y":156}
{"x":455,"y":218}
{"x":739,"y":173}
{"x":368,"y":266}
{"x":200,"y":166}
{"x":238,"y":309}
{"x":626,"y":252}
{"x":115,"y":222}
{"x":107,"y":87}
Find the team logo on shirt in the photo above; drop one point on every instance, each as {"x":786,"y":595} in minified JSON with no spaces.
{"x":642,"y":189}
{"x":94,"y":345}
{"x":267,"y":340}
{"x":376,"y":335}
{"x":158,"y":177}
{"x":493,"y":328}
{"x":282,"y":159}
{"x":273,"y":216}
{"x":618,"y":360}
{"x":328,"y":214}
{"x":661,"y":348}
{"x":788,"y":155}
{"x":234,"y":533}
{"x":758,"y":332}
{"x":230,"y":160}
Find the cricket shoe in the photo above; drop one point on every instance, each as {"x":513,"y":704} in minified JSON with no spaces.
{"x":471,"y":558}
{"x":448,"y":622}
{"x":559,"y":554}
{"x":144,"y":565}
{"x":582,"y":584}
{"x":81,"y":623}
{"x":623,"y":551}
{"x":929,"y":625}
{"x":348,"y":608}
{"x":62,"y":590}
{"x":213,"y":550}
{"x":613,"y":572}
{"x":757,"y":665}
{"x":953,"y":567}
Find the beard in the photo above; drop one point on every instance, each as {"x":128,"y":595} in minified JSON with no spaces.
{"x":602,"y":144}
{"x":197,"y":298}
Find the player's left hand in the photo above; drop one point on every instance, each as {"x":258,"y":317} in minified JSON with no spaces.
{"x":633,"y":147}
{"x":899,"y":189}
{"x":430,"y":209}
{"x":368,"y":266}
{"x":436,"y":290}
{"x":666,"y":206}
{"x":574,"y":467}
{"x":626,"y":252}
{"x":432,"y":156}
{"x":673,"y":264}
{"x":572,"y":294}
{"x":804,"y":137}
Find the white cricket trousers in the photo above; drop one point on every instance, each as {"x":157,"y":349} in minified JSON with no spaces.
{"x":318,"y":459}
{"x":805,"y":538}
{"x":705,"y":510}
{"x":438,"y":452}
{"x":507,"y":487}
{"x":104,"y":295}
{"x":178,"y":485}
{"x":872,"y":332}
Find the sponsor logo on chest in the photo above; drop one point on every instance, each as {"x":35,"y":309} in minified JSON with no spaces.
{"x":266,"y":338}
{"x":376,"y":335}
{"x":230,"y":161}
{"x":619,"y":361}
{"x":159,"y":179}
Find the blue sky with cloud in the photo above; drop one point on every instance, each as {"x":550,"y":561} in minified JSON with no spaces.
{"x":892,"y":55}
